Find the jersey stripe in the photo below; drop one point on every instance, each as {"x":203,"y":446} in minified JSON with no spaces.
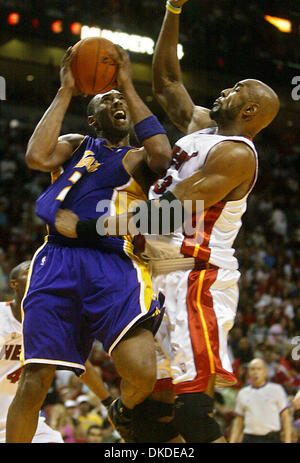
{"x":198,"y":246}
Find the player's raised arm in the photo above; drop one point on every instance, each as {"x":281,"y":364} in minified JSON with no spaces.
{"x":168,"y":87}
{"x":46,"y":151}
{"x":156,"y":150}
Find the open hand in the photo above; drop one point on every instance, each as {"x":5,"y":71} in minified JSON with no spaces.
{"x":66,"y":77}
{"x":65,"y":223}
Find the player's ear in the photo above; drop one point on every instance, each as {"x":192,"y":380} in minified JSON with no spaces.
{"x":250,"y":110}
{"x":92,"y":121}
{"x":13,"y":284}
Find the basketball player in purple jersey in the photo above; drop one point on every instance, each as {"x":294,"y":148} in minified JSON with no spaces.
{"x":80,"y":291}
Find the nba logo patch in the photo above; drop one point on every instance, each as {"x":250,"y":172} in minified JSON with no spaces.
{"x":43,"y":260}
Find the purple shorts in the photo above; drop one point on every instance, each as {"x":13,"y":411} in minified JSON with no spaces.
{"x":75,"y":295}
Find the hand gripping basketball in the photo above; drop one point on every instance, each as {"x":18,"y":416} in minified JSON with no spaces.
{"x":92,"y":65}
{"x":66,"y":77}
{"x":122,"y":59}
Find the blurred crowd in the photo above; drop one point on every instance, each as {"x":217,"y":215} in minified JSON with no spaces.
{"x":214,"y":33}
{"x":268,"y":248}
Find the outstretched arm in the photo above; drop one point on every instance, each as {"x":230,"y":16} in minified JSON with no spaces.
{"x":156,"y":151}
{"x":46,"y":151}
{"x":168,"y":87}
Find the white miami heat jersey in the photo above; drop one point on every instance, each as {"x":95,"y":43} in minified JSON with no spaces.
{"x":10,"y":366}
{"x":218,"y":225}
{"x":10,"y":370}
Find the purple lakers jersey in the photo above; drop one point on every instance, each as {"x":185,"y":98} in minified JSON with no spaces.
{"x":94,"y":173}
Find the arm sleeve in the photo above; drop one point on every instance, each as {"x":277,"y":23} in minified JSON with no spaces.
{"x":239,"y":407}
{"x":282,"y":399}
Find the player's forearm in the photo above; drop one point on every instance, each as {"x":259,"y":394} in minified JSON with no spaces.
{"x":137,"y":108}
{"x":94,"y":382}
{"x":156,"y":143}
{"x":166,"y":67}
{"x":44,"y":138}
{"x":168,"y":87}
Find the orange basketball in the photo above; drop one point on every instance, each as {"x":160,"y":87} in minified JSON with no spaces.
{"x":93,"y":68}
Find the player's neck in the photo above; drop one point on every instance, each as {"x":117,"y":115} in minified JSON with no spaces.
{"x":234,"y":131}
{"x":115,"y":141}
{"x":16,"y":309}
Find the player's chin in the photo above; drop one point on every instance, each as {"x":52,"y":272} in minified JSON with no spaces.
{"x":215,"y":111}
{"x":121,"y":124}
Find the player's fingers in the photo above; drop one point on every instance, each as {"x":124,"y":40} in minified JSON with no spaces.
{"x":67,"y":56}
{"x":115,"y":56}
{"x":123,"y":56}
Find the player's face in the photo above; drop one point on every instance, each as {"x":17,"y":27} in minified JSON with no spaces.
{"x":112,"y":112}
{"x":229,"y":104}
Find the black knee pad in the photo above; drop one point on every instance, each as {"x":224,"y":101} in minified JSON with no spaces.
{"x":147,"y":428}
{"x":192,"y":418}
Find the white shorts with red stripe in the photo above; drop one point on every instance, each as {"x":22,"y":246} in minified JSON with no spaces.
{"x":192,"y":339}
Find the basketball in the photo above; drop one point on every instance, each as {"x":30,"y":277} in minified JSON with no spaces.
{"x":93,"y":68}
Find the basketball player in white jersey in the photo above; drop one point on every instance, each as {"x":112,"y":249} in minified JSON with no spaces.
{"x":219,"y":166}
{"x":216,"y":163}
{"x":10,"y":366}
{"x":10,"y":347}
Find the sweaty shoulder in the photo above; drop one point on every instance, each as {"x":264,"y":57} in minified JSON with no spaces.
{"x":234,"y":156}
{"x":134,"y":157}
{"x":200,"y":119}
{"x":72,"y":139}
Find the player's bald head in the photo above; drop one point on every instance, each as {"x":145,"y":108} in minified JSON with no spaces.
{"x":91,"y":108}
{"x":91,"y":105}
{"x":266,"y":100}
{"x":20,"y":268}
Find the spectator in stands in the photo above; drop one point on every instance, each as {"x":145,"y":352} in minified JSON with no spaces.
{"x":59,"y":419}
{"x":94,"y":435}
{"x":86,"y":417}
{"x":109,"y":434}
{"x":244,"y":351}
{"x":258,"y":332}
